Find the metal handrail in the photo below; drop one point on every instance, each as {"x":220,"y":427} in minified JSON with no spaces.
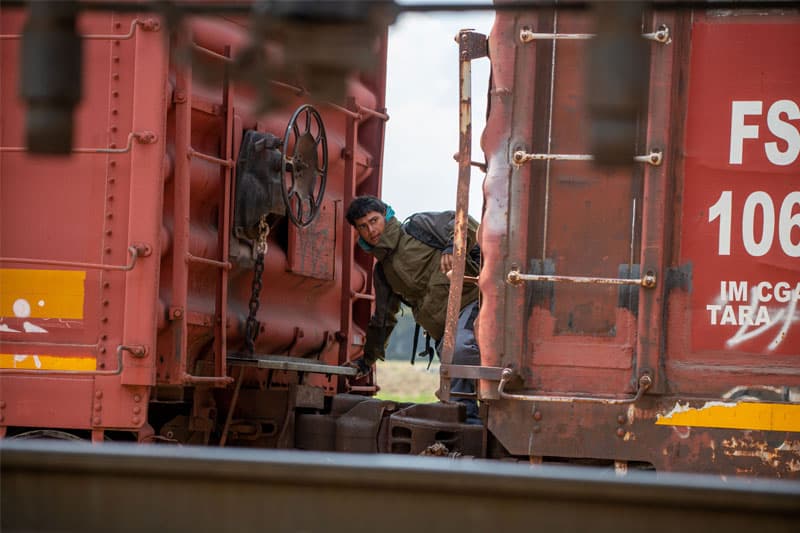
{"x":644,"y":383}
{"x":515,"y":277}
{"x":136,"y":251}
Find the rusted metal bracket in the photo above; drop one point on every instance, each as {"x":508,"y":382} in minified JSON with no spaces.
{"x":488,"y":373}
{"x":136,"y":350}
{"x":644,"y":383}
{"x":136,"y":251}
{"x":472,"y":45}
{"x":648,"y":281}
{"x":526,"y":35}
{"x":654,"y":158}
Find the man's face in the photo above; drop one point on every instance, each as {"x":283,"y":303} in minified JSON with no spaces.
{"x":370,"y":227}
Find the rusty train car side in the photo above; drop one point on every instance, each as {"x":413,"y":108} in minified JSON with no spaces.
{"x":642,"y":314}
{"x":649,"y":313}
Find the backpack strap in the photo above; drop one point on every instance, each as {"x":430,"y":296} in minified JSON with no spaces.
{"x":416,"y":342}
{"x":429,"y":350}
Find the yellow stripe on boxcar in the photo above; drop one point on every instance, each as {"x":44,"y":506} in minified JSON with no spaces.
{"x":741,"y":415}
{"x":47,"y":362}
{"x":26,"y":293}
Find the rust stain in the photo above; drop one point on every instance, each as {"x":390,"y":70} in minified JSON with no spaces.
{"x":786,"y":456}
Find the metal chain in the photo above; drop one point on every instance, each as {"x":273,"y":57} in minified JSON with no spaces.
{"x":252,"y":326}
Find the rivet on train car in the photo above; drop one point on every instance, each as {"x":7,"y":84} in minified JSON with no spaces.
{"x":113,"y":129}
{"x":137,"y":410}
{"x":108,"y":250}
{"x":2,"y":404}
{"x":108,"y":232}
{"x":112,"y":179}
{"x":115,"y":76}
{"x":621,"y":419}
{"x":106,"y":284}
{"x":116,"y":43}
{"x":98,"y":394}
{"x":537,"y":428}
{"x":104,"y":319}
{"x":114,"y":111}
{"x":113,"y":145}
{"x":109,"y":215}
{"x":102,"y":349}
{"x":110,"y":197}
{"x":537,"y":415}
{"x":112,"y":163}
{"x":98,"y":407}
{"x":115,"y":94}
{"x":118,"y":25}
{"x":620,"y":432}
{"x":137,"y":398}
{"x":180,"y":97}
{"x":103,"y":337}
{"x":136,"y":420}
{"x":2,"y":418}
{"x":105,"y":303}
{"x":115,"y":59}
{"x":101,"y":365}
{"x":96,"y":421}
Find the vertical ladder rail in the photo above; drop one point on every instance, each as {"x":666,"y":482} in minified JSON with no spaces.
{"x":224,"y":225}
{"x":182,"y":204}
{"x":650,"y":326}
{"x":471,"y":45}
{"x":346,"y":319}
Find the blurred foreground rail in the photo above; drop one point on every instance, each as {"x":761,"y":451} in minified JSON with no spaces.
{"x":53,"y":486}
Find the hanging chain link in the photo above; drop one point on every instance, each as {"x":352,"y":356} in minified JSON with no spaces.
{"x":252,"y":326}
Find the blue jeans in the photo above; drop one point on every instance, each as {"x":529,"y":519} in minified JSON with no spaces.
{"x":466,"y":352}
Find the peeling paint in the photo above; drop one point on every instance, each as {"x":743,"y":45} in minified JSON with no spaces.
{"x":783,"y":457}
{"x":740,"y":415}
{"x":789,"y":446}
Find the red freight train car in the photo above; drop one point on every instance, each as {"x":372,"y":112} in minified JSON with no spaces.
{"x":128,"y":266}
{"x":641,"y":314}
{"x":696,"y":364}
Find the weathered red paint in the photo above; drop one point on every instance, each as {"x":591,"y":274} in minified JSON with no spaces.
{"x":185,"y":302}
{"x":570,"y":218}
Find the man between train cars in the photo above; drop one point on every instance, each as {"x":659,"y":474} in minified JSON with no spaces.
{"x":414,"y":272}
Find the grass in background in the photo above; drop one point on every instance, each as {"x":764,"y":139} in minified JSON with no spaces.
{"x":403,"y":382}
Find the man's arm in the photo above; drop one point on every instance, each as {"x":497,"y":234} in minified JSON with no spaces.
{"x":446,"y":262}
{"x":383,"y":321}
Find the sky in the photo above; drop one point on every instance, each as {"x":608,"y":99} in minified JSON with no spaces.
{"x":419,"y":172}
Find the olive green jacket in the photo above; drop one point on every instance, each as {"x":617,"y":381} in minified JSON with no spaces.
{"x":411,"y":270}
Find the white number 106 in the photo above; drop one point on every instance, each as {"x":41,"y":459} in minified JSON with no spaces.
{"x":757,"y":245}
